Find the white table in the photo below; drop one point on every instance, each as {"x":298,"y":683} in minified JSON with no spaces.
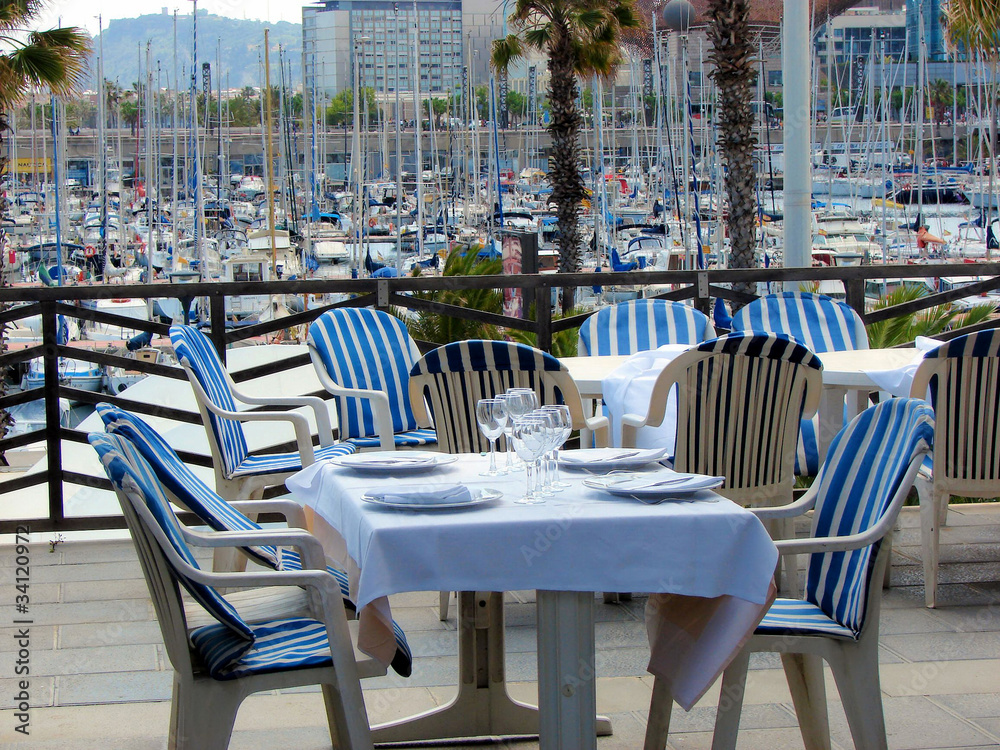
{"x":845,"y":376}
{"x":577,"y":543}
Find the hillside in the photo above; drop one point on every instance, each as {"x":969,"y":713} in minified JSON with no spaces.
{"x":242,"y":43}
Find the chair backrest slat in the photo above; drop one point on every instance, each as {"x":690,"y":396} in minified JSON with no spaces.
{"x":641,"y":325}
{"x":195,"y":352}
{"x":366,"y":349}
{"x":864,"y":469}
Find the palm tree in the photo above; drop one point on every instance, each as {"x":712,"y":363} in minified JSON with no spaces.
{"x":55,"y":58}
{"x":732,"y":57}
{"x":580,"y":38}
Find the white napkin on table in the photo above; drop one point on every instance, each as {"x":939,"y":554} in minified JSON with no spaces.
{"x":424,"y":494}
{"x":598,"y":455}
{"x":897,"y":382}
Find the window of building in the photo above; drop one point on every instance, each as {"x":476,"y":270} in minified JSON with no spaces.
{"x":774,"y":78}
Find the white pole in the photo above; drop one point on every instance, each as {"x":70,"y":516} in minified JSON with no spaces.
{"x":798,"y":170}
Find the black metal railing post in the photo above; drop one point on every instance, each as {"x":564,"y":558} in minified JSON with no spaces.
{"x":53,"y":428}
{"x":217,"y":317}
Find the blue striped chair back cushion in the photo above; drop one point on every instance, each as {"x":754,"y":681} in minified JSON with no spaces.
{"x":821,"y":323}
{"x":183,"y":483}
{"x":194,"y":349}
{"x":369,"y":349}
{"x":865,"y":466}
{"x":641,"y":325}
{"x":740,"y":410}
{"x":965,"y":393}
{"x":126,"y":468}
{"x":466,"y":371}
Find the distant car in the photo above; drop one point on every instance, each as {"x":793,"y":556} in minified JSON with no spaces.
{"x":843,"y":116}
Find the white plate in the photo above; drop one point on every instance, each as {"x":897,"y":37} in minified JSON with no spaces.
{"x":653,"y":484}
{"x":394,"y":460}
{"x":478,"y":498}
{"x":609,"y":459}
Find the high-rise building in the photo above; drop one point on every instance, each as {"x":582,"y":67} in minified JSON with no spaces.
{"x":380,"y":35}
{"x":923,"y":22}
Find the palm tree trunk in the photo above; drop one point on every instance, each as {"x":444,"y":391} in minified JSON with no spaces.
{"x":567,"y":183}
{"x":733,"y":58}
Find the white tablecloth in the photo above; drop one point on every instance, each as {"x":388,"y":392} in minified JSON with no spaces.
{"x":897,"y":381}
{"x":580,"y":540}
{"x":627,"y":390}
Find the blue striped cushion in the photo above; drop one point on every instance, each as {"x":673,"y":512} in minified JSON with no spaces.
{"x":796,"y":617}
{"x":123,"y":463}
{"x":409,"y":439}
{"x":766,"y":346}
{"x":820,"y":323}
{"x":278,"y":463}
{"x":817,"y":321}
{"x":279,"y":645}
{"x":195,"y":350}
{"x":864,"y":468}
{"x":371,"y":350}
{"x":201,"y":500}
{"x":481,"y":356}
{"x":979,"y":344}
{"x":641,"y":325}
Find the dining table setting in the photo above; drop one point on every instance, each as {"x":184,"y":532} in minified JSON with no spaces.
{"x":565,"y":523}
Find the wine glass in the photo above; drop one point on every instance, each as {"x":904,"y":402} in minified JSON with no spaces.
{"x":520,"y":401}
{"x":491,"y":414}
{"x":563,"y":426}
{"x":528,"y":436}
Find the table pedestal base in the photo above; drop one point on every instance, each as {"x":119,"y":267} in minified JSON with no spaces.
{"x":482,"y":707}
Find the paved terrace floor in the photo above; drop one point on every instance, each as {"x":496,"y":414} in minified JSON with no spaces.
{"x":101,"y":678}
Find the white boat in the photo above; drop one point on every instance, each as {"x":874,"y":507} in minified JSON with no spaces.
{"x":74,"y":373}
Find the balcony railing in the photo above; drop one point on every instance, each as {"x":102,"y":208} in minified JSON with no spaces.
{"x":699,"y":287}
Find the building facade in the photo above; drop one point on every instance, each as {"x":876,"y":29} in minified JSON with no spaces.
{"x":923,"y":21}
{"x":377,"y":43}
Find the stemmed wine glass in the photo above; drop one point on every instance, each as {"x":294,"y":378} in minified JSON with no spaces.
{"x":491,"y":414}
{"x":562,"y":425}
{"x":520,"y":401}
{"x":528,"y":436}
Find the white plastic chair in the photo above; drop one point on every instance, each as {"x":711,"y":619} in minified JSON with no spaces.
{"x":855,"y":499}
{"x":963,"y":377}
{"x":223,"y":650}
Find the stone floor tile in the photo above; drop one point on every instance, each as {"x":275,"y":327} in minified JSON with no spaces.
{"x":971,"y":706}
{"x":103,"y":571}
{"x":941,"y":678}
{"x":943,"y":646}
{"x":38,"y":593}
{"x":121,"y":611}
{"x":113,"y":687}
{"x":41,"y":691}
{"x":903,"y":621}
{"x":84,"y":635}
{"x":79,"y":661}
{"x":86,"y":591}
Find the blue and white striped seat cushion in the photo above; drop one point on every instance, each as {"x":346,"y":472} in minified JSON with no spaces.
{"x":278,"y":463}
{"x":409,"y":439}
{"x":369,"y":350}
{"x":641,"y":325}
{"x":125,"y":466}
{"x":279,"y":645}
{"x":797,"y":617}
{"x":820,"y":323}
{"x":203,"y":501}
{"x":767,"y":346}
{"x":865,"y":466}
{"x":481,"y":356}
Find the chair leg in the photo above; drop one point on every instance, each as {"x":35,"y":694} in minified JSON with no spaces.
{"x":887,"y":576}
{"x":202,"y":715}
{"x":444,"y":601}
{"x":804,"y":673}
{"x":349,"y":729}
{"x":930,"y":541}
{"x":661,"y":705}
{"x":856,"y":671}
{"x":727,"y":718}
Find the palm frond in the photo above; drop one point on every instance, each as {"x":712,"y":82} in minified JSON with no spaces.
{"x":505,"y":51}
{"x":539,"y":37}
{"x":16,"y":14}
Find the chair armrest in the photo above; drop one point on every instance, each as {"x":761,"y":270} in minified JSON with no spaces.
{"x":630,"y":427}
{"x":797,"y":508}
{"x":294,"y":515}
{"x":379,"y":400}
{"x":601,"y":428}
{"x":311,"y":551}
{"x":323,"y":424}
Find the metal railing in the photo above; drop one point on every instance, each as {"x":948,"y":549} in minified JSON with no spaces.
{"x":699,"y":287}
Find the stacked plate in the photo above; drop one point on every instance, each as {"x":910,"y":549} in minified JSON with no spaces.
{"x":653,"y":484}
{"x":430,"y":497}
{"x":601,"y":460}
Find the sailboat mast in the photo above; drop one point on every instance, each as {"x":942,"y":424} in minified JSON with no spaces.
{"x":151,"y":237}
{"x":268,"y":154}
{"x":418,"y":133}
{"x":175,"y":213}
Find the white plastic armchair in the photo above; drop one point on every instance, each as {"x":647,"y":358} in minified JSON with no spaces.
{"x":240,"y":475}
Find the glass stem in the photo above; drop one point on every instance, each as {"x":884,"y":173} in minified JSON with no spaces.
{"x":528,"y":493}
{"x":556,"y":478}
{"x":493,"y":456}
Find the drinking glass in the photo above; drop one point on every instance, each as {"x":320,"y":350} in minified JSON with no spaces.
{"x":563,"y":426}
{"x":520,"y":401}
{"x":491,"y":414}
{"x":528,"y":436}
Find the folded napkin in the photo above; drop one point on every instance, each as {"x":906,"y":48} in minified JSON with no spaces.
{"x":424,"y":494}
{"x":664,"y":480}
{"x":897,"y":382}
{"x":597,"y":455}
{"x":383,"y":460}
